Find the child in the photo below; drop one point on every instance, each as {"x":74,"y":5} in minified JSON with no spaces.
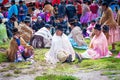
{"x":91,"y":27}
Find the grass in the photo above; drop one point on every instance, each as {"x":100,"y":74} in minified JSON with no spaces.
{"x":5,"y":45}
{"x":8,"y":75}
{"x":110,"y":73}
{"x":113,"y":75}
{"x":110,"y":63}
{"x":56,"y":77}
{"x":3,"y":57}
{"x":17,"y":71}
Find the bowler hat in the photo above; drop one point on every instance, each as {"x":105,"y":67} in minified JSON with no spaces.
{"x":98,"y":27}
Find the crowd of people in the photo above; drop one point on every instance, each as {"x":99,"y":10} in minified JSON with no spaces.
{"x":60,"y":27}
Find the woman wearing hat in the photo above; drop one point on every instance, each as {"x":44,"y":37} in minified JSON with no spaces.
{"x":98,"y":46}
{"x":25,"y":31}
{"x":16,"y":42}
{"x":61,"y":49}
{"x":38,"y":24}
{"x":76,"y":34}
{"x":108,"y":19}
{"x":42,"y":38}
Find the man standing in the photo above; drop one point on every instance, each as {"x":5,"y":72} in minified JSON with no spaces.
{"x":70,"y":10}
{"x":13,"y":10}
{"x":22,"y":11}
{"x":61,"y":8}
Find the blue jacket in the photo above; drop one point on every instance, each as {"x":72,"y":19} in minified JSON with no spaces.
{"x":12,"y":10}
{"x":25,"y":9}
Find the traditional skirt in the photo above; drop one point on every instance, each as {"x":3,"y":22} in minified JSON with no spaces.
{"x":37,"y":41}
{"x":92,"y":54}
{"x":85,"y":18}
{"x":114,"y":35}
{"x":93,"y":16}
{"x":75,"y":45}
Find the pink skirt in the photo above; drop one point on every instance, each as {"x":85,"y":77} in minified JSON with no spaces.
{"x":93,"y":16}
{"x":114,"y":35}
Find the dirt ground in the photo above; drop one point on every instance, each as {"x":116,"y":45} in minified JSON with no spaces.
{"x":34,"y":71}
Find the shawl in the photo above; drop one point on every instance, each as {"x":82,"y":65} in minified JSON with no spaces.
{"x":14,"y":47}
{"x":99,"y":46}
{"x":25,"y":32}
{"x":77,"y":36}
{"x":108,"y":19}
{"x":59,"y":43}
{"x":45,"y":33}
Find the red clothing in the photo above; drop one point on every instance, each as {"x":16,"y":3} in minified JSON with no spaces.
{"x":5,"y":2}
{"x":94,"y":8}
{"x":55,"y":2}
{"x":79,"y":9}
{"x":37,"y":4}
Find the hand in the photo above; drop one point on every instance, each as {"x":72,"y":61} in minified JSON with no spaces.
{"x":16,"y":37}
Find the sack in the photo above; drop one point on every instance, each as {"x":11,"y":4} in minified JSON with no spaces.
{"x":62,"y":56}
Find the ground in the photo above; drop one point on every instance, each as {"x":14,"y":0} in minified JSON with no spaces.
{"x":101,"y":69}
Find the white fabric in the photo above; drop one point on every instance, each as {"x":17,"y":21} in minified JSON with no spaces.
{"x":86,"y":55}
{"x":44,"y":32}
{"x":47,"y":37}
{"x":59,"y":43}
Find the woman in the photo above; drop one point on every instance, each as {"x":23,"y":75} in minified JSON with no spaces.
{"x":85,"y":17}
{"x":16,"y":43}
{"x":98,"y":45}
{"x":60,"y":47}
{"x":42,"y":38}
{"x":25,"y":31}
{"x":76,"y":35}
{"x":108,"y":19}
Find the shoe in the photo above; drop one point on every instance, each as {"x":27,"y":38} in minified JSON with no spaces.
{"x":78,"y":57}
{"x":112,"y":50}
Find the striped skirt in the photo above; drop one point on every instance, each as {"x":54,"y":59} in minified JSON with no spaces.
{"x":37,"y":41}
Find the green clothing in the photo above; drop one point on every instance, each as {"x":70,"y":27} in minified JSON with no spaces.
{"x":3,"y":33}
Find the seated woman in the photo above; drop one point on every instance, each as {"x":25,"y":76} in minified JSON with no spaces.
{"x":17,"y":43}
{"x":42,"y":38}
{"x":25,"y":30}
{"x":76,"y":35}
{"x":3,"y":33}
{"x":61,"y":50}
{"x":98,"y":45}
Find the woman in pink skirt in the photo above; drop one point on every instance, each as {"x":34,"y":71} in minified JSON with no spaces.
{"x":108,"y":19}
{"x":98,"y":46}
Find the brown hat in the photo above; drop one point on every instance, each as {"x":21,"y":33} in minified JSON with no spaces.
{"x":15,"y":31}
